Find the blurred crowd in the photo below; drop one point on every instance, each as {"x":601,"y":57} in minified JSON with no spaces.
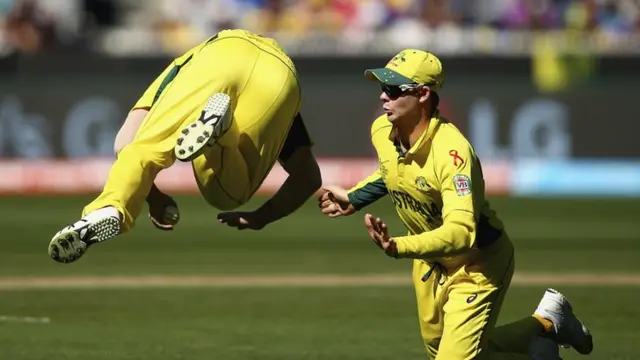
{"x":33,"y":25}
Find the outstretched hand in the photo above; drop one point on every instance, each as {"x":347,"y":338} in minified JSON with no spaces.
{"x":242,"y":220}
{"x":379,"y":233}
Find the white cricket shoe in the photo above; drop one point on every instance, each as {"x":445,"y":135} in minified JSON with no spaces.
{"x":569,"y":331}
{"x":215,"y":119}
{"x":70,"y":243}
{"x":544,"y":348}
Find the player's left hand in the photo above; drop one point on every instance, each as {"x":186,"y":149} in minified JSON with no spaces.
{"x":163,"y":210}
{"x":242,"y":220}
{"x":379,"y":233}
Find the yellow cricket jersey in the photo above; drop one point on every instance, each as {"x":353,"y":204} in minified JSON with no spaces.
{"x":437,"y":187}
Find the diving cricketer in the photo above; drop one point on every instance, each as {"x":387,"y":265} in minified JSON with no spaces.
{"x":463,"y":259}
{"x":230,"y":106}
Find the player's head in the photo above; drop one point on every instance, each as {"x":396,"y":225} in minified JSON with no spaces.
{"x":410,"y":83}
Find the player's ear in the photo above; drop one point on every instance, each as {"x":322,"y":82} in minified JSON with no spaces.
{"x":425,"y":94}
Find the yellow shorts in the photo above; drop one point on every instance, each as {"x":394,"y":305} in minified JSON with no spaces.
{"x":262,"y":83}
{"x":458,"y":307}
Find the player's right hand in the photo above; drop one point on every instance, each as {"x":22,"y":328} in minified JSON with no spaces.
{"x":334,"y":202}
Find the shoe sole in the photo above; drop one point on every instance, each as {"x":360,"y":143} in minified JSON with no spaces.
{"x":200,"y":134}
{"x":68,"y":246}
{"x":584,"y":345}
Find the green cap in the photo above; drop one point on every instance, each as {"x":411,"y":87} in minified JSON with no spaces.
{"x":410,"y":66}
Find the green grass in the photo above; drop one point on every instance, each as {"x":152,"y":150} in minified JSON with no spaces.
{"x":558,"y":236}
{"x":550,"y":235}
{"x":278,"y":324}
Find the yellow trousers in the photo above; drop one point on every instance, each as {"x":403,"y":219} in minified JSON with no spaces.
{"x":458,"y":307}
{"x":265,"y":97}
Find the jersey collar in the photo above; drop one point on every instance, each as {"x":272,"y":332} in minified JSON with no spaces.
{"x":424,"y":140}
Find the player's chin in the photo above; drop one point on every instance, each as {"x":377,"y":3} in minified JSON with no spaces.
{"x":391,"y":117}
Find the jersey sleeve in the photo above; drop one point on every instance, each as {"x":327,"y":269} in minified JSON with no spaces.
{"x":367,"y":191}
{"x":373,"y":187}
{"x":297,"y":137}
{"x":458,"y":171}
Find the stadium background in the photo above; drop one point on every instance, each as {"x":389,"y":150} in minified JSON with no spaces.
{"x":546,"y":91}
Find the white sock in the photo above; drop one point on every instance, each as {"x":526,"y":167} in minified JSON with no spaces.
{"x":102,"y":213}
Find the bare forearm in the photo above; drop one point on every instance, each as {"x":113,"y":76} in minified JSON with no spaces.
{"x":129,"y":129}
{"x":293,"y":193}
{"x":154,"y":192}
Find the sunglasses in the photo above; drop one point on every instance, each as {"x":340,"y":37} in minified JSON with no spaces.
{"x":395,"y":91}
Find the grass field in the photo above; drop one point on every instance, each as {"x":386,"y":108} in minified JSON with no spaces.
{"x":305,"y":288}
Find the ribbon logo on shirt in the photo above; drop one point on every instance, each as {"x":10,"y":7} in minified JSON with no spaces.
{"x":456,"y":157}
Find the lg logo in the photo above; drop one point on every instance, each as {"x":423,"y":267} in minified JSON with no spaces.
{"x":539,"y":130}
